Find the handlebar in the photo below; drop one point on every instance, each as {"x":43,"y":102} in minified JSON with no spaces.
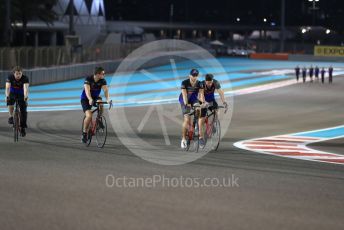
{"x":193,"y":108}
{"x":223,"y":107}
{"x":104,"y":103}
{"x":200,"y":106}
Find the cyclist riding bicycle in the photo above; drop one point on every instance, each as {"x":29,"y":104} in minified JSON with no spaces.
{"x":17,"y":87}
{"x":90,"y":96}
{"x":210,"y":85}
{"x":192,"y":93}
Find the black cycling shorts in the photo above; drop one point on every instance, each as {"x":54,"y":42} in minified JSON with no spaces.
{"x":12,"y":99}
{"x":213,"y":105}
{"x":86,"y":105}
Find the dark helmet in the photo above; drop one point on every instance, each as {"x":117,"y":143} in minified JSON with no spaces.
{"x":194,"y":72}
{"x":209,"y":77}
{"x":98,"y":70}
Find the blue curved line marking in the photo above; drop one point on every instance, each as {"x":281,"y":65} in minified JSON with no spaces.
{"x":324,"y":133}
{"x":230,"y":65}
{"x":175,"y":93}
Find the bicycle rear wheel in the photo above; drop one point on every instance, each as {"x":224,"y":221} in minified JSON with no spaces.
{"x":89,"y":132}
{"x":101,"y":132}
{"x":16,"y":123}
{"x":216,"y":135}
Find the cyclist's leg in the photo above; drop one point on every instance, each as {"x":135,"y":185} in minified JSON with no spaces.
{"x":10,"y":104}
{"x":215,"y":107}
{"x":201,"y":120}
{"x":201,"y":126}
{"x":23,"y":112}
{"x":186,"y":120}
{"x":216,"y":115}
{"x":88,"y":119}
{"x":88,"y":113}
{"x":10,"y":110}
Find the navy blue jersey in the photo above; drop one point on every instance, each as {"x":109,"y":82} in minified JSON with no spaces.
{"x":96,"y":87}
{"x":192,"y":91}
{"x":17,"y":86}
{"x":209,"y":92}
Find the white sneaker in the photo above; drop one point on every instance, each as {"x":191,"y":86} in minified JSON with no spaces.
{"x":183,"y":144}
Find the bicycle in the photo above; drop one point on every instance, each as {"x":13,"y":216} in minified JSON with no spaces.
{"x":192,"y":133}
{"x":95,"y":128}
{"x":213,"y":128}
{"x":16,"y":121}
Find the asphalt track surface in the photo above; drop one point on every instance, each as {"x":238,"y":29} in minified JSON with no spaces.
{"x":49,"y":180}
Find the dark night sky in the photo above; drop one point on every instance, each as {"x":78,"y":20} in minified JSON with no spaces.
{"x":330,"y":13}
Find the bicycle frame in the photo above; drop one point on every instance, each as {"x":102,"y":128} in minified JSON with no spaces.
{"x":94,"y":121}
{"x":191,"y":129}
{"x":191,"y":132}
{"x":92,"y":128}
{"x":16,"y":120}
{"x":213,"y":113}
{"x":208,"y":123}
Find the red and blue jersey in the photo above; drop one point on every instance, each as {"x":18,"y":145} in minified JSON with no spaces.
{"x":17,"y":86}
{"x":209,"y":92}
{"x":192,"y":91}
{"x":95,"y":87}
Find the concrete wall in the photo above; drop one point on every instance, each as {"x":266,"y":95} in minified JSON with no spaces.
{"x":39,"y":76}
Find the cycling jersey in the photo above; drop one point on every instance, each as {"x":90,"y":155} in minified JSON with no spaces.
{"x":96,"y":87}
{"x":17,"y":86}
{"x":192,"y":91}
{"x":209,"y":92}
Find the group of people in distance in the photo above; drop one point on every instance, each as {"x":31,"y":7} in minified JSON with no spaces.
{"x":316,"y":72}
{"x":193,"y":91}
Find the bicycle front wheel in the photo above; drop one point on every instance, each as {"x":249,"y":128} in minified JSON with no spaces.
{"x":101,"y":132}
{"x":194,"y":139}
{"x":216,"y":135}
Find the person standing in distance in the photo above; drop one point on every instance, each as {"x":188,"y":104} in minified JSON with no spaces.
{"x":90,"y":95}
{"x":322,"y":73}
{"x":316,"y":73}
{"x":311,"y":71}
{"x":17,"y":87}
{"x":304,"y":74}
{"x":297,"y":73}
{"x":330,"y":74}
